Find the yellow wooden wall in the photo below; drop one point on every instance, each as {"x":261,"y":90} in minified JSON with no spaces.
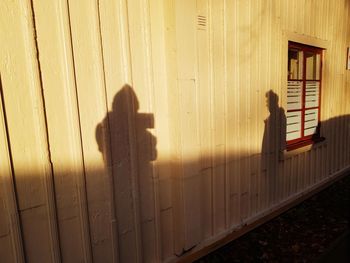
{"x":88,"y":88}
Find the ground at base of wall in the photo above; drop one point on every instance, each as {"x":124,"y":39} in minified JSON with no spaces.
{"x":314,"y":231}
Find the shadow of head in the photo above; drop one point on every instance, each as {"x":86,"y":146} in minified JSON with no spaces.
{"x":271,"y":101}
{"x":124,"y":130}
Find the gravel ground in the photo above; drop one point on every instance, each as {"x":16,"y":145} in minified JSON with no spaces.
{"x":305,"y":233}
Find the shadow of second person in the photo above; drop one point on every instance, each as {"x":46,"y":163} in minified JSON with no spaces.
{"x":274,"y":141}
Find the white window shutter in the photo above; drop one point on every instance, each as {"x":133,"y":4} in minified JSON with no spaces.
{"x":312,"y":94}
{"x":294,"y":95}
{"x":311,"y":121}
{"x":293,"y":125}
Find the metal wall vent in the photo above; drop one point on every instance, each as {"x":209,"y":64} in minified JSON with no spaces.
{"x":201,"y":22}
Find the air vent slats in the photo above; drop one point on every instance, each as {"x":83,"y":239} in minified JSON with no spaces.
{"x":201,"y":22}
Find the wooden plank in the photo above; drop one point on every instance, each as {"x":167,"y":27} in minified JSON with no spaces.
{"x":316,"y":18}
{"x":279,"y":182}
{"x":226,"y":153}
{"x":235,"y":195}
{"x":167,"y":231}
{"x":174,"y":128}
{"x":292,"y":176}
{"x":299,"y":173}
{"x":218,"y":93}
{"x":161,"y":172}
{"x":288,"y":177}
{"x":90,"y":83}
{"x":275,"y":80}
{"x":307,"y":169}
{"x":294,"y":18}
{"x":11,"y":246}
{"x":244,"y":104}
{"x":186,"y":65}
{"x":6,"y":249}
{"x":324,"y":161}
{"x":190,"y":152}
{"x":321,"y":22}
{"x":142,"y":77}
{"x":307,"y":13}
{"x":258,"y":103}
{"x":236,"y":116}
{"x":205,"y":110}
{"x":54,"y":44}
{"x":317,"y":164}
{"x":304,"y":171}
{"x":300,"y":16}
{"x":232,"y":172}
{"x":25,"y":112}
{"x":264,"y":80}
{"x":296,"y":174}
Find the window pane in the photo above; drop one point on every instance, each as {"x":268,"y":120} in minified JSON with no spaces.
{"x":293,"y":125}
{"x":311,"y":121}
{"x":295,"y":64}
{"x":312,"y":94}
{"x":294,"y":93}
{"x":313,"y":65}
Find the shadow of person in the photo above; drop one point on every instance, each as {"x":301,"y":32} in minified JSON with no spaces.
{"x":128,"y":148}
{"x":274,"y":141}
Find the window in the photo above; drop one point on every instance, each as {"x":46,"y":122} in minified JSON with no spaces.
{"x":303,"y":95}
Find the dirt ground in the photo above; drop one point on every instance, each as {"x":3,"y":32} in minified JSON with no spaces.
{"x":305,"y":233}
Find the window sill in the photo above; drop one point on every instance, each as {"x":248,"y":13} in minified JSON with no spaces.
{"x":286,"y":154}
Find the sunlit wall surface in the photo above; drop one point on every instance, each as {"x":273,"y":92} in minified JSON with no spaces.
{"x":133,"y":131}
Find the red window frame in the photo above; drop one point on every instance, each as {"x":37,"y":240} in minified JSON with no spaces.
{"x":313,"y":138}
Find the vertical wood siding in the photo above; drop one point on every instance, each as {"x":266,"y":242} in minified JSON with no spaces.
{"x":137,"y":131}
